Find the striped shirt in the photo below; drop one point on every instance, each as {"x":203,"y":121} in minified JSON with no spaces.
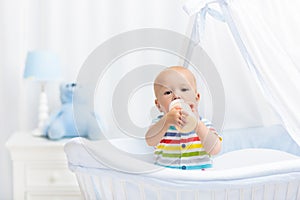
{"x":182,"y":150}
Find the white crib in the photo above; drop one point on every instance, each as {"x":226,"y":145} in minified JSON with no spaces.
{"x":106,"y":173}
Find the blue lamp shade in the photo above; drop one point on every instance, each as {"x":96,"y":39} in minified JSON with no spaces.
{"x":42,"y":66}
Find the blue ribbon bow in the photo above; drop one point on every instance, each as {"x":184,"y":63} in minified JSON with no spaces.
{"x":202,"y":9}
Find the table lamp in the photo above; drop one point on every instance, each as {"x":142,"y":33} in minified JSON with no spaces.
{"x":42,"y":66}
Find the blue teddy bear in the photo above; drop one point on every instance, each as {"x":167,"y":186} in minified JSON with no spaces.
{"x":62,"y":123}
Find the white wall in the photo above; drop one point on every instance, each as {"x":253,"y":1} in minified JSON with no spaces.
{"x":73,"y":28}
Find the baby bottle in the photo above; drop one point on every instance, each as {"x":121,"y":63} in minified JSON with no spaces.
{"x":191,"y":120}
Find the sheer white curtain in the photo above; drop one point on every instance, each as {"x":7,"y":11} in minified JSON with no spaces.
{"x":270,"y":76}
{"x":245,"y":104}
{"x":11,"y":58}
{"x":270,"y":32}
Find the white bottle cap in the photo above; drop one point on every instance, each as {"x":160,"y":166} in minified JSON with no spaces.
{"x":191,"y":121}
{"x":176,"y":102}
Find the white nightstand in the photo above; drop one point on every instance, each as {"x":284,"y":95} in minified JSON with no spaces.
{"x":40,"y":169}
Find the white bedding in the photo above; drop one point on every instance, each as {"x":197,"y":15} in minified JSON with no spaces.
{"x":240,"y":164}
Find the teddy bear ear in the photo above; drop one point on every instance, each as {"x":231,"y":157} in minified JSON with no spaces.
{"x":63,"y":85}
{"x":69,"y":85}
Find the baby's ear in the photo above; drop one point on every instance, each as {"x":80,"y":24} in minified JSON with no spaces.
{"x":158,"y":105}
{"x":197,"y":97}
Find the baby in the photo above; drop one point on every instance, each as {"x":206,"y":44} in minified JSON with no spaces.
{"x":174,"y":149}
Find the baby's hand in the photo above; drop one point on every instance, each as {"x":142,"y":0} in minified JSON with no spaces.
{"x":176,"y":116}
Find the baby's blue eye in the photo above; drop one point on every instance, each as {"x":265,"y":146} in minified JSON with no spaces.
{"x":184,"y":89}
{"x":167,"y":92}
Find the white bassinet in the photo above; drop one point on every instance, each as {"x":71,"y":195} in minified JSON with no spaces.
{"x":252,"y":173}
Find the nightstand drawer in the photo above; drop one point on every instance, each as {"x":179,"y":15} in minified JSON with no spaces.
{"x":53,"y":196}
{"x":49,"y":174}
{"x":40,"y":169}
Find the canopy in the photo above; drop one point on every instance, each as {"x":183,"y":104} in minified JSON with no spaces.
{"x":262,"y":37}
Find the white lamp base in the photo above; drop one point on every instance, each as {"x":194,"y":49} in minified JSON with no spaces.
{"x":43,"y":114}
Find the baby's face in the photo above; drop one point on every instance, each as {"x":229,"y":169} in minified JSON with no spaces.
{"x":175,"y":84}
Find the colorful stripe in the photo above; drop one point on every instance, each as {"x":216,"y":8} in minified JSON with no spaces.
{"x":181,"y":155}
{"x":172,"y":134}
{"x":180,"y":141}
{"x":195,"y":167}
{"x":200,"y":160}
{"x":179,"y":148}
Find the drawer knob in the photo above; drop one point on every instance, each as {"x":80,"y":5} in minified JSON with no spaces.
{"x":53,"y":178}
